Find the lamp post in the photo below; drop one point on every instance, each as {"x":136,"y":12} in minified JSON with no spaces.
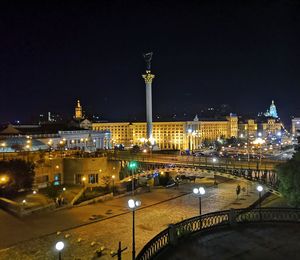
{"x":3,"y":145}
{"x":4,"y":179}
{"x":199,"y":192}
{"x":59,"y":246}
{"x":132,"y":166}
{"x":259,"y":141}
{"x":113,"y":184}
{"x":83,"y":179}
{"x":133,"y":204}
{"x":259,"y":188}
{"x":214,"y":160}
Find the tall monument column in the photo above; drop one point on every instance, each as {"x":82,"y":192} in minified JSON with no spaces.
{"x":148,"y":77}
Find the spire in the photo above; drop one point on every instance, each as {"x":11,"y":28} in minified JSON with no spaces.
{"x":78,"y":111}
{"x":196,"y":118}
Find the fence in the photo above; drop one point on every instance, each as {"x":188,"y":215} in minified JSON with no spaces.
{"x":211,"y":221}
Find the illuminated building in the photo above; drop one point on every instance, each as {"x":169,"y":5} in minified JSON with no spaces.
{"x":171,"y":135}
{"x":269,"y":127}
{"x":56,"y":136}
{"x":247,"y":129}
{"x":296,"y":126}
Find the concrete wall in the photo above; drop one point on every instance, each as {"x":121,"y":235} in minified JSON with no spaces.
{"x":86,"y":166}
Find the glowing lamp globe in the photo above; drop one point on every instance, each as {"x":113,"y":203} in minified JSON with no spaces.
{"x":59,"y":246}
{"x":259,"y":188}
{"x":196,"y":191}
{"x":131,"y":204}
{"x":202,"y":190}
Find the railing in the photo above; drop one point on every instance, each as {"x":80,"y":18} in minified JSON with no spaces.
{"x":211,"y":221}
{"x":264,"y":164}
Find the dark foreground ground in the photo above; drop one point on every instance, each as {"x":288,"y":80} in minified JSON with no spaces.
{"x":252,"y":241}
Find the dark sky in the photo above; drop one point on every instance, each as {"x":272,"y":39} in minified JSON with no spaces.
{"x":243,"y":53}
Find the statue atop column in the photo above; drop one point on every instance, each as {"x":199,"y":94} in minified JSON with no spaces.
{"x":148,"y":58}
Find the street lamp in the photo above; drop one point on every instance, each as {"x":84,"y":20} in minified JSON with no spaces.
{"x":199,"y":192}
{"x":59,"y":246}
{"x":113,"y":183}
{"x":83,"y":179}
{"x":132,"y":166}
{"x":4,"y":179}
{"x":133,"y":204}
{"x":259,"y":188}
{"x":259,"y":141}
{"x":3,"y":145}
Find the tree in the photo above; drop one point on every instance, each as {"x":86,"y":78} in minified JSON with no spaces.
{"x":297,"y":146}
{"x":232,"y":141}
{"x":289,"y":180}
{"x":206,"y":143}
{"x":106,"y":180}
{"x":20,"y":174}
{"x":52,"y":191}
{"x":135,"y":149}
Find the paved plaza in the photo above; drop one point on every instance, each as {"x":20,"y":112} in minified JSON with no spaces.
{"x":34,"y":236}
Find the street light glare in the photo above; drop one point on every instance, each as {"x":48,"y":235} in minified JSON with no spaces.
{"x":59,"y":246}
{"x":195,"y":190}
{"x":132,"y":165}
{"x":202,"y":190}
{"x":131,"y":204}
{"x":138,"y":203}
{"x":259,"y":188}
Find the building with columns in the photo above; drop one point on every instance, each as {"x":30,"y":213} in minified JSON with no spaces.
{"x":179,"y":135}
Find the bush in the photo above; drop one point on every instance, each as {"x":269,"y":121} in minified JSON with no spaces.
{"x":289,"y":180}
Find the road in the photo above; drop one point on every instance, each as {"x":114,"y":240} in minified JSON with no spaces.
{"x":35,"y":235}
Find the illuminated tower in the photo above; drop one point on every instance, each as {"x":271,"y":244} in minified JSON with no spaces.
{"x":148,"y":77}
{"x":78,"y":111}
{"x":272,"y":112}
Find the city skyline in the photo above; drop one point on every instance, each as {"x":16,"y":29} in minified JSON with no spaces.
{"x":204,"y":54}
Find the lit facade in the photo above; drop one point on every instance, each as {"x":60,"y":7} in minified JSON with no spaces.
{"x":248,"y":129}
{"x":296,"y":126}
{"x":87,"y":140}
{"x":171,"y":135}
{"x":270,"y":127}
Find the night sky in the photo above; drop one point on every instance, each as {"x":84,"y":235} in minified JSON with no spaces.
{"x":205,"y":54}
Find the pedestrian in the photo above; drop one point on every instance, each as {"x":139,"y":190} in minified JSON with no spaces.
{"x":238,"y":190}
